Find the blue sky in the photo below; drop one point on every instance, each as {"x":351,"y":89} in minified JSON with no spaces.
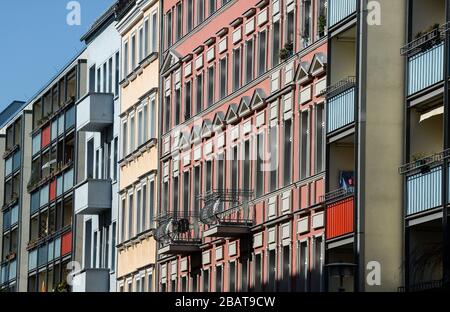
{"x":36,"y":42}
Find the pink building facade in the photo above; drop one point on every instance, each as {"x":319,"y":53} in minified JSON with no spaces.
{"x":242,"y":146}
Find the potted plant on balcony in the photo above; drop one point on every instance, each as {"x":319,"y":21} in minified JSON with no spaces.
{"x":322,"y":25}
{"x":287,"y":51}
{"x":62,"y":287}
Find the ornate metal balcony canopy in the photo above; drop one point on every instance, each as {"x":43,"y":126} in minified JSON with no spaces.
{"x":425,"y":41}
{"x":337,"y":194}
{"x":214,"y":200}
{"x":424,"y":163}
{"x":339,"y":87}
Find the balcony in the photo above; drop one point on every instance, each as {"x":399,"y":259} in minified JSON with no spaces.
{"x":424,"y":183}
{"x":93,"y":197}
{"x":226,"y":213}
{"x":178,"y":235}
{"x":91,"y":280}
{"x":339,"y":213}
{"x":95,"y":112}
{"x":338,"y":10}
{"x":341,"y":104}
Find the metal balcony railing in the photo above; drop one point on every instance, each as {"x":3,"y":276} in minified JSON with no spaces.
{"x":424,"y":163}
{"x":174,"y":227}
{"x":424,"y":286}
{"x":426,"y":41}
{"x":337,"y":194}
{"x":338,"y":10}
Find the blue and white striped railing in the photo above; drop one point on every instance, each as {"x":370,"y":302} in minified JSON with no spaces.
{"x":341,"y":110}
{"x":425,"y":68}
{"x":339,"y":10}
{"x":424,"y":191}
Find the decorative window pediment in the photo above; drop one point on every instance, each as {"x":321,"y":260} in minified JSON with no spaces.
{"x":171,"y":59}
{"x":206,"y":129}
{"x":257,"y":100}
{"x":218,"y":121}
{"x":231,"y":115}
{"x":318,"y":64}
{"x":303,"y":76}
{"x":244,"y":108}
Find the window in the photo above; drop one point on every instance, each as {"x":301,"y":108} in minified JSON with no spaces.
{"x":124,"y":139}
{"x":175,"y":195}
{"x":130,"y":216}
{"x":276,"y":44}
{"x":208,"y":176}
{"x":179,"y":21}
{"x":144,"y":208}
{"x":187,"y":100}
{"x":133,"y":51}
{"x":258,"y":272}
{"x":211,"y":85}
{"x":262,"y":52}
{"x":246,"y":174}
{"x":303,"y":267}
{"x":197,"y":181}
{"x":95,"y":249}
{"x":151,"y":201}
{"x":223,"y":78}
{"x":286,"y":269}
{"x":320,"y":138}
{"x":200,"y":11}
{"x":152,"y":118}
{"x":304,"y":145}
{"x":88,"y":244}
{"x":110,"y":75}
{"x":219,"y":278}
{"x":199,"y":94}
{"x":154,"y":32}
{"x":244,"y":275}
{"x":146,"y":37}
{"x":125,"y":59}
{"x":272,"y":270}
{"x":205,"y":280}
{"x":105,"y":81}
{"x":97,"y":164}
{"x":184,"y":284}
{"x":138,"y":211}
{"x":115,"y":159}
{"x":236,"y":69}
{"x":287,"y":150}
{"x":234,"y":169}
{"x":220,"y":172}
{"x":90,"y":159}
{"x":167,"y":106}
{"x":249,"y":61}
{"x":141,"y":44}
{"x":177,"y":106}
{"x":260,"y":156}
{"x":150,"y":282}
{"x":189,"y":15}
{"x":232,"y":277}
{"x":317,"y":264}
{"x":132,"y":134}
{"x":186,"y":198}
{"x":307,"y":23}
{"x":290,"y":27}
{"x":273,"y":157}
{"x":165,"y":197}
{"x":140,"y":128}
{"x":99,"y":79}
{"x":169,"y":29}
{"x":113,"y":244}
{"x":145,"y":123}
{"x":117,"y":81}
{"x":322,"y":18}
{"x":212,"y":6}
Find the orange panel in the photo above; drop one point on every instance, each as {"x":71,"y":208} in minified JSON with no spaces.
{"x":340,"y":218}
{"x":45,"y":137}
{"x":52,"y":190}
{"x":66,"y":243}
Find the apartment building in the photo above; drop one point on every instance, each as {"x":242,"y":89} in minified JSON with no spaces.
{"x":97,"y":126}
{"x":14,"y":123}
{"x":138,"y":27}
{"x":242,"y":148}
{"x":425,"y":170}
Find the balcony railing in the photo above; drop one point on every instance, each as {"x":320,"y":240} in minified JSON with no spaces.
{"x":424,"y":191}
{"x":423,"y":287}
{"x":177,"y":233}
{"x":93,"y":196}
{"x":425,"y":59}
{"x":424,"y":163}
{"x":340,"y":104}
{"x":340,"y":218}
{"x":337,"y":194}
{"x":338,"y":10}
{"x":95,"y":111}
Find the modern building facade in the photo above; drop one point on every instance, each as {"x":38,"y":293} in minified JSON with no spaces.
{"x":242,"y":146}
{"x":97,"y":126}
{"x":138,"y":27}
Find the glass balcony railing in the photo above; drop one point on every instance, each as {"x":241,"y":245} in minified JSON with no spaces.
{"x":341,"y":104}
{"x":338,"y":10}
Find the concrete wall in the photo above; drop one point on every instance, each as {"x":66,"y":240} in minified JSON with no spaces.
{"x":381,"y":141}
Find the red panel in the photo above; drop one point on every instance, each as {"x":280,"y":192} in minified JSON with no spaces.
{"x":45,"y":137}
{"x":66,"y":244}
{"x":52,"y":190}
{"x":340,"y":218}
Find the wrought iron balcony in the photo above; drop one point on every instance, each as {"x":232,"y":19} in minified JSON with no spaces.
{"x":177,"y":234}
{"x":226,"y":213}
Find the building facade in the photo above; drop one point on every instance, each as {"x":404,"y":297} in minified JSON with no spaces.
{"x":138,"y":161}
{"x":97,"y":126}
{"x":242,"y":146}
